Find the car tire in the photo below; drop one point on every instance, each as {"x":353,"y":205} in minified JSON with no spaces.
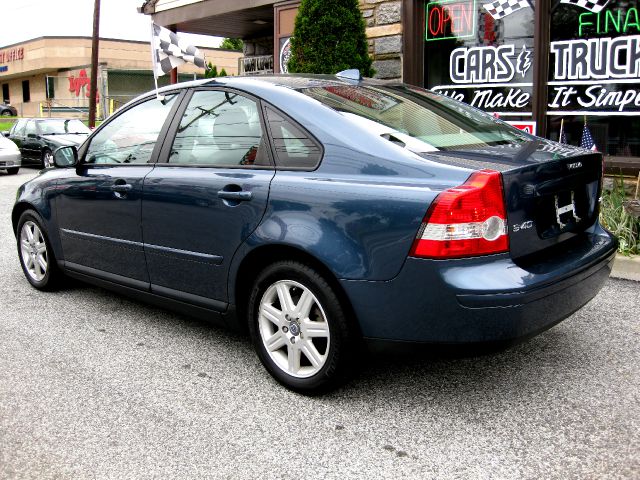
{"x":47,"y":158}
{"x":13,"y":171}
{"x":36,"y":255}
{"x":6,"y":113}
{"x":309,"y":345}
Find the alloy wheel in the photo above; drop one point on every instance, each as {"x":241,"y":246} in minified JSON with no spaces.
{"x":47,"y":159}
{"x":294,"y":328}
{"x":33,"y":249}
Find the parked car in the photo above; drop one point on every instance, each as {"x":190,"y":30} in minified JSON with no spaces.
{"x":9,"y":156}
{"x":7,"y":110}
{"x":318,"y":212}
{"x":37,"y":138}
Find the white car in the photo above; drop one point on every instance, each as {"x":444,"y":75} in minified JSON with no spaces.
{"x":10,"y":158}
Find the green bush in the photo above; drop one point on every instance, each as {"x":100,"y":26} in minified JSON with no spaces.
{"x":328,"y":37}
{"x":618,"y":221}
{"x":211,"y":71}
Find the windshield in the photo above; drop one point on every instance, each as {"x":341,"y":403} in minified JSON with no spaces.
{"x":48,"y":127}
{"x":417,"y":119}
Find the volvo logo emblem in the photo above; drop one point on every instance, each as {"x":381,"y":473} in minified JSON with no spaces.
{"x":294,"y":328}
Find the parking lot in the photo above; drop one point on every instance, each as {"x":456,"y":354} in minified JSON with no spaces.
{"x":94,"y":385}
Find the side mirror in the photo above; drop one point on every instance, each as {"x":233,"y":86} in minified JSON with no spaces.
{"x":6,"y":133}
{"x":65,"y":157}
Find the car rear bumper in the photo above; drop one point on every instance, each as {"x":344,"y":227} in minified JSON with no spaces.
{"x":484,"y":299}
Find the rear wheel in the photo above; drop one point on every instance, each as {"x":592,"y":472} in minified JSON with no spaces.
{"x":36,"y":256}
{"x":6,"y":113}
{"x":299,"y":328}
{"x":47,"y":158}
{"x":13,"y":171}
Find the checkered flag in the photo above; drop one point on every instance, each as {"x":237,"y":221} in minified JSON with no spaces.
{"x":592,"y":5}
{"x":503,"y":8}
{"x":169,"y":51}
{"x":490,"y":32}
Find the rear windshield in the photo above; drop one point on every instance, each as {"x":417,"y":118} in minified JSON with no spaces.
{"x":416,"y":118}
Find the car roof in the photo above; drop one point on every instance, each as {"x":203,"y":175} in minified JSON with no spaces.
{"x":292,"y":81}
{"x":268,"y":87}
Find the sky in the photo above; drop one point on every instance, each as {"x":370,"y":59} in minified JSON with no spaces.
{"x":118,"y":19}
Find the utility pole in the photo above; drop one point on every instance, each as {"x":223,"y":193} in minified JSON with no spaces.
{"x":174,"y":71}
{"x":93,"y":87}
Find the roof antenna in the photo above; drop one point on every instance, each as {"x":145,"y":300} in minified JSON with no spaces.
{"x":351,"y":74}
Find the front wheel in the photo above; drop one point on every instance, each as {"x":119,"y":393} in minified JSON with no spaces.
{"x":13,"y":171}
{"x":36,"y":255}
{"x":299,"y":328}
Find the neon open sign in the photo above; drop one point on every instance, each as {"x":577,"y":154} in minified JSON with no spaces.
{"x":450,"y":19}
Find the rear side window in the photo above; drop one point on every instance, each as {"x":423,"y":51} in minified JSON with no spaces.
{"x":220,"y":129}
{"x":294,"y":148}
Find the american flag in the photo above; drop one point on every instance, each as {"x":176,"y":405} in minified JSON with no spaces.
{"x":169,"y":51}
{"x":592,"y":5}
{"x":587,"y":140}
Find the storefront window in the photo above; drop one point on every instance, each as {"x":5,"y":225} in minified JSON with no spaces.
{"x":482,"y":54}
{"x":594,"y":72}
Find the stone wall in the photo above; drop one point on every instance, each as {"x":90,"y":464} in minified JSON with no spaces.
{"x":384,"y":30}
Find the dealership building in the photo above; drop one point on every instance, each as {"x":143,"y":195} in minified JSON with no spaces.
{"x":536,"y":63}
{"x":51,"y":75}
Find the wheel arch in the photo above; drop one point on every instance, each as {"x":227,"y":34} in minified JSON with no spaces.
{"x":18,"y":209}
{"x":259,"y":258}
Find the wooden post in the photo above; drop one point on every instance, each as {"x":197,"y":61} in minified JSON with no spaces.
{"x":93,"y":84}
{"x":174,"y":71}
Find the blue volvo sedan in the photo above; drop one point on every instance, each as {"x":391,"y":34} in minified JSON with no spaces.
{"x":321,"y":213}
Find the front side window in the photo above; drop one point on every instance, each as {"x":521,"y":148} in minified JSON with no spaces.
{"x":131,"y":136}
{"x":220,"y":129}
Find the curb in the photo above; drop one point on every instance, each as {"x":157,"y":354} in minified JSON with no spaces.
{"x":627,"y":268}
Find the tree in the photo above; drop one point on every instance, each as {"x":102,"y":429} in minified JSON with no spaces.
{"x":328,"y":37}
{"x":232,"y":44}
{"x":211,"y":71}
{"x":223,"y":72}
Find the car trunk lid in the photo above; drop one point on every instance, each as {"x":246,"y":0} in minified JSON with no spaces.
{"x":551,"y":190}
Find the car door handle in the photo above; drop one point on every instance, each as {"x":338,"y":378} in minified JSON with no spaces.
{"x":240,"y":196}
{"x":121,"y":187}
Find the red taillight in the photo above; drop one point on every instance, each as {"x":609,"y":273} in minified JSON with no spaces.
{"x":465,"y":221}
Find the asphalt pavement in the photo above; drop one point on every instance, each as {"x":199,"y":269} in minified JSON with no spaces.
{"x":94,"y":385}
